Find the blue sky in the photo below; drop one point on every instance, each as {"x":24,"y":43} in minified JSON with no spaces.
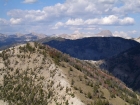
{"x":121,"y":17}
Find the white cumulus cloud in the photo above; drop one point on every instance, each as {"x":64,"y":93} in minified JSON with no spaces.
{"x":75,"y":11}
{"x":29,"y":1}
{"x":15,"y":21}
{"x":121,"y":34}
{"x":58,"y":25}
{"x":127,"y":21}
{"x":111,"y":20}
{"x":128,"y":6}
{"x":108,"y":1}
{"x":75,"y":22}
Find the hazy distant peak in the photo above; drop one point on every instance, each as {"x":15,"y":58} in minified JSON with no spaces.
{"x":39,"y":35}
{"x":19,"y":34}
{"x":3,"y":35}
{"x":105,"y":33}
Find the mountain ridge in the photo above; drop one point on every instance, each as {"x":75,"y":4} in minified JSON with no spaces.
{"x":92,"y":48}
{"x":62,"y":79}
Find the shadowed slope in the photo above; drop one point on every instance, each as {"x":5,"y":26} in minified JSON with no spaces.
{"x":92,"y":48}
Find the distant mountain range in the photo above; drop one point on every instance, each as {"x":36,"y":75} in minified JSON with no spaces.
{"x":9,"y":40}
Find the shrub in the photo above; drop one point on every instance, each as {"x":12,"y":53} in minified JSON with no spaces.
{"x":89,"y":95}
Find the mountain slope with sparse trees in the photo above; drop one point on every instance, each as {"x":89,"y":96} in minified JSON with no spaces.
{"x":34,"y":74}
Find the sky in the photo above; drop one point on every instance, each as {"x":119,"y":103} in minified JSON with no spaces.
{"x":121,"y":17}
